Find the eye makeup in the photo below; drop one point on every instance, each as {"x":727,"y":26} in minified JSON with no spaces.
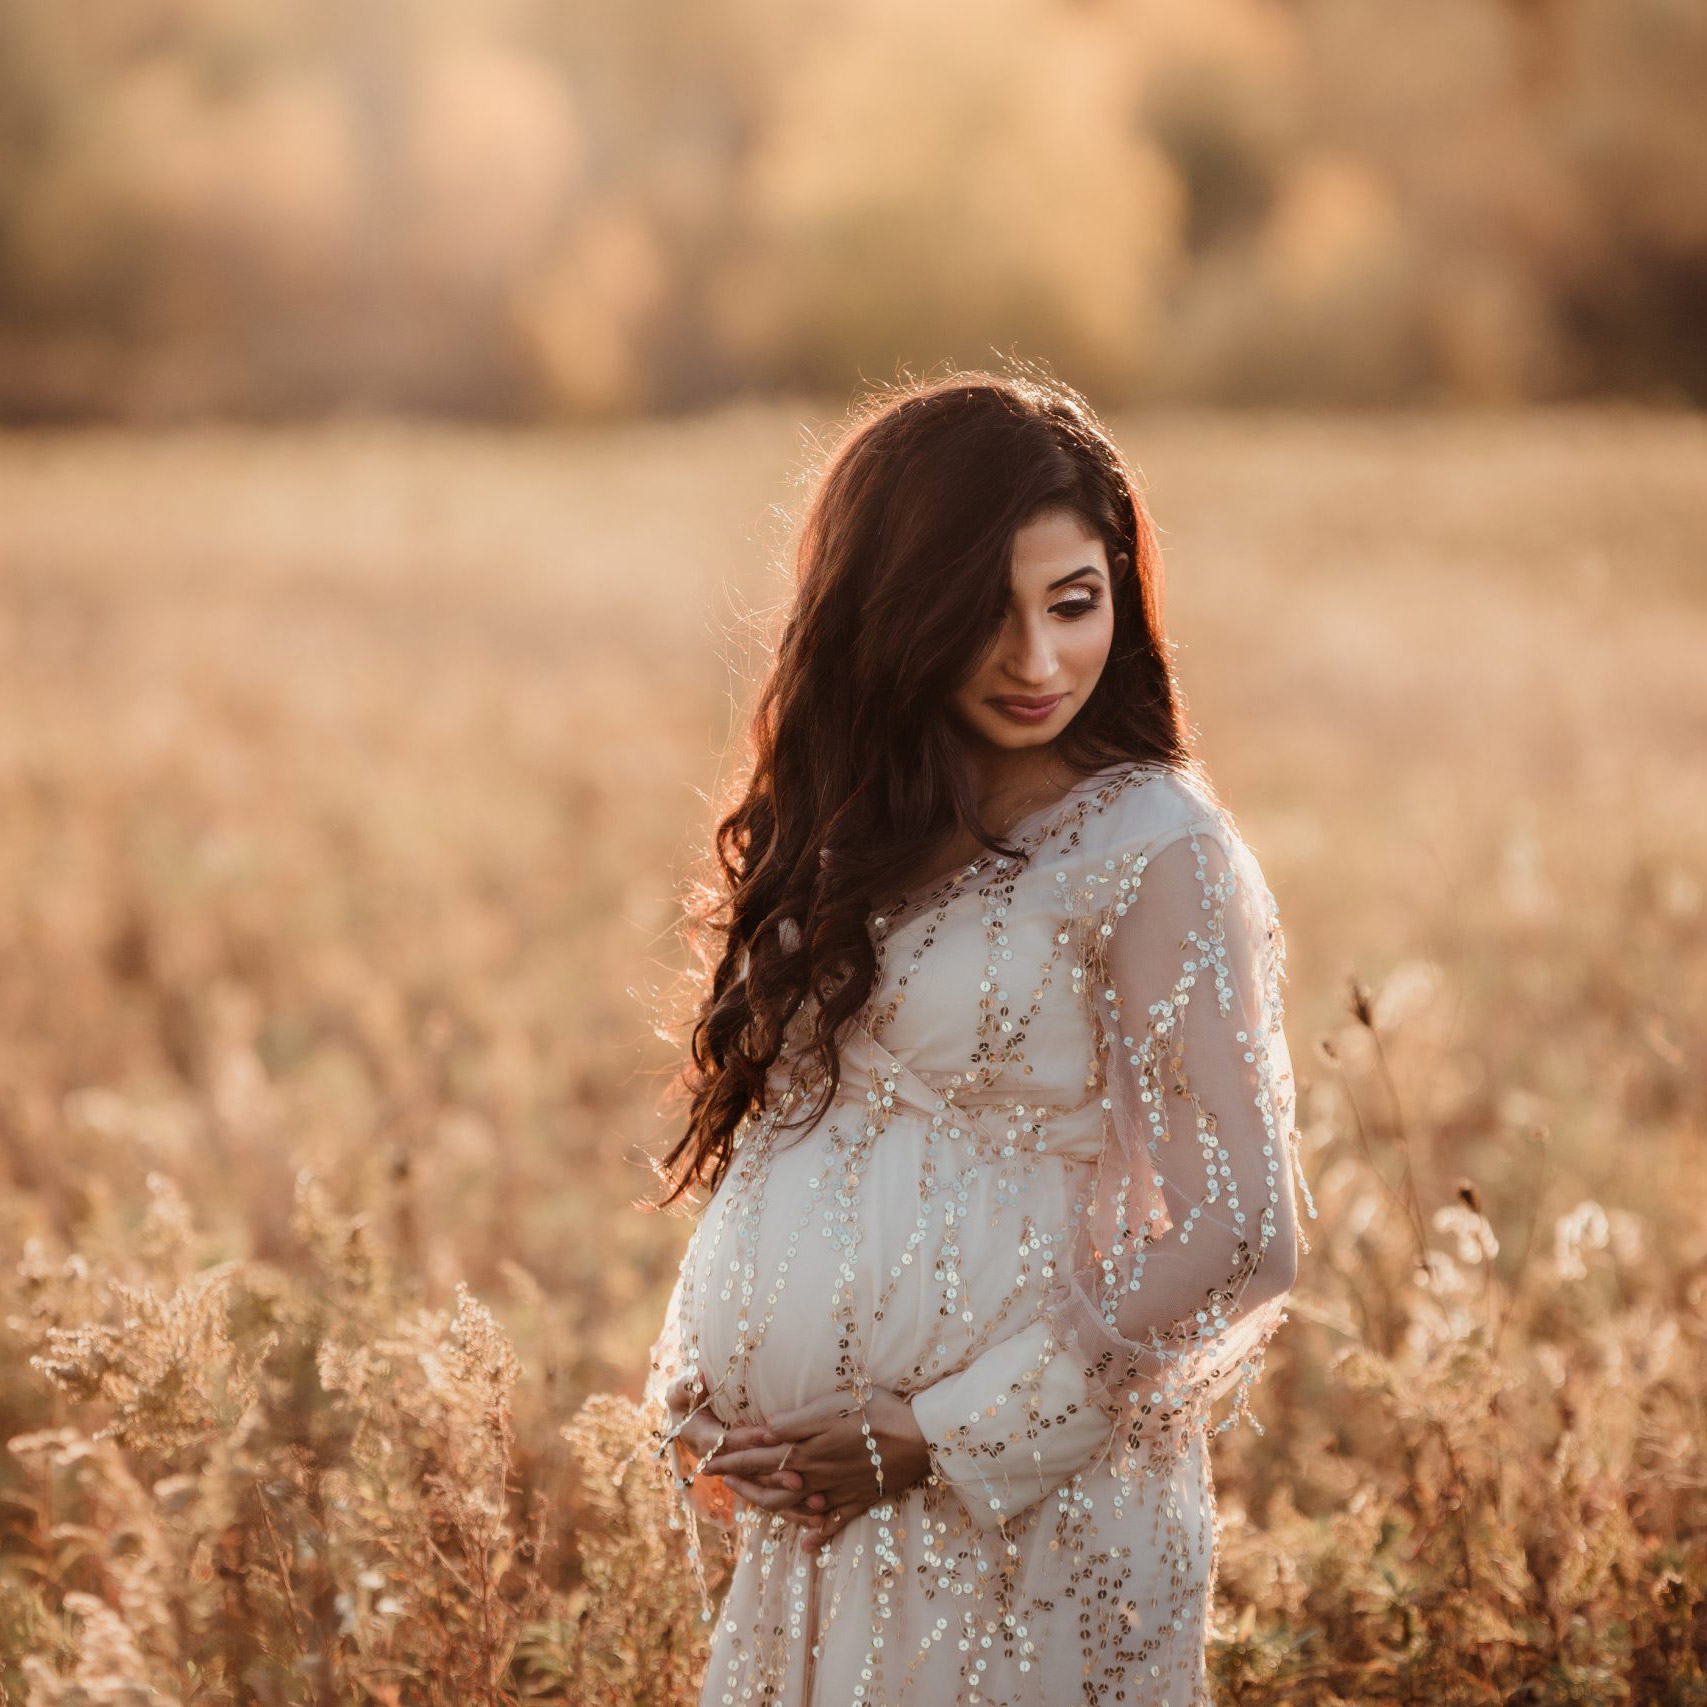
{"x":1074,"y":608}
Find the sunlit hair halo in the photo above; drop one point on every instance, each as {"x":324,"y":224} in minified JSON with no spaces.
{"x":902,"y":568}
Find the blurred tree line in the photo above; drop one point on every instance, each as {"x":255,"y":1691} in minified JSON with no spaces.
{"x":513,"y":208}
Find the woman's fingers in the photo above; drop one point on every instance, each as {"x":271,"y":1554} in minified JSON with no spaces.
{"x":703,"y":1429}
{"x":791,"y":1479}
{"x":702,"y":1432}
{"x":699,"y":1434}
{"x":808,"y":1419}
{"x":801,"y":1516}
{"x":684,"y":1392}
{"x":749,"y":1437}
{"x":746,"y":1462}
{"x":808,"y":1510}
{"x":816,"y":1533}
{"x":771,"y":1499}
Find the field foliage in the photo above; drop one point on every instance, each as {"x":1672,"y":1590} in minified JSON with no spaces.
{"x":347,"y":780}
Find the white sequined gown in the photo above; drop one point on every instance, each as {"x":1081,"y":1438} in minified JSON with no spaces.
{"x":1053,"y":1205}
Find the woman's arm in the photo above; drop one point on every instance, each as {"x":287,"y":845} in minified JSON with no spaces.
{"x":1187,"y":1243}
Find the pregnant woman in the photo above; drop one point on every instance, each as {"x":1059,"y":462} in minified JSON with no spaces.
{"x":990,"y":1094}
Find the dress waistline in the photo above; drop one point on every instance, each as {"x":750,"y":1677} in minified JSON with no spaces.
{"x":1075,"y":1133}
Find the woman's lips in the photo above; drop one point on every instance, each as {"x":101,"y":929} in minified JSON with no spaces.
{"x":1028,"y":710}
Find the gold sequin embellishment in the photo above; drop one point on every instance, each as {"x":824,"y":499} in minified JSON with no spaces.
{"x":1054,"y":1204}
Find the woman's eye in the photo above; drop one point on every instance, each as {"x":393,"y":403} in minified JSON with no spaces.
{"x":1075,"y":607}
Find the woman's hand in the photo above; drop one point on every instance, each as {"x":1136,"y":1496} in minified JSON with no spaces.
{"x":773,"y":1490}
{"x":824,"y":1442}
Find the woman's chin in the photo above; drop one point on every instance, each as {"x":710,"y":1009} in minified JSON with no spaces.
{"x":1015,"y":737}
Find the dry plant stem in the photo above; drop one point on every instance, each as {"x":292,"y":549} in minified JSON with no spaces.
{"x":279,"y":1560}
{"x":1419,"y":1238}
{"x":1513,"y":1291}
{"x":1352,"y":1292}
{"x":1544,"y":1178}
{"x":1460,"y":1498}
{"x":1460,"y":1485}
{"x":1411,"y":1203}
{"x":1402,"y":1134}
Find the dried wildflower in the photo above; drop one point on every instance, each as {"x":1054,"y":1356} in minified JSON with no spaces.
{"x":1476,"y":1241}
{"x":1583,"y":1228}
{"x":1440,"y":1275}
{"x":109,"y":1669}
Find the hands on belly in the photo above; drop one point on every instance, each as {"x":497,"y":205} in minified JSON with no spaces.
{"x":813,"y":1465}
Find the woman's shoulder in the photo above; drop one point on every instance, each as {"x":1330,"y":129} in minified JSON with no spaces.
{"x":1131,"y":817}
{"x":1134,"y":808}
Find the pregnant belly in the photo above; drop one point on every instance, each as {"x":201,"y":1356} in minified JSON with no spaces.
{"x":902,"y":1259}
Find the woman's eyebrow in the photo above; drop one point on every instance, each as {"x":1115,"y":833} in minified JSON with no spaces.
{"x":1089,"y":569}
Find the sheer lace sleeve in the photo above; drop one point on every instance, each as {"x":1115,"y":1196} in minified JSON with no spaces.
{"x":1186,"y":1241}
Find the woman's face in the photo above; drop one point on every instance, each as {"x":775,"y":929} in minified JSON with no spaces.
{"x":1054,"y":640}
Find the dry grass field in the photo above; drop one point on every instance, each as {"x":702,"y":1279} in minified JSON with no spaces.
{"x":347,"y":780}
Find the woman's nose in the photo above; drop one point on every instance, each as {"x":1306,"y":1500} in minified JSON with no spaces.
{"x":1032,"y":659}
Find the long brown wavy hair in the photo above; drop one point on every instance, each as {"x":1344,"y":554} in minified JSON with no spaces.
{"x":902,"y":569}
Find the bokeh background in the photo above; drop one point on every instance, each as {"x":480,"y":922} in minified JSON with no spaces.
{"x":509,"y":208}
{"x":406,"y":411}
